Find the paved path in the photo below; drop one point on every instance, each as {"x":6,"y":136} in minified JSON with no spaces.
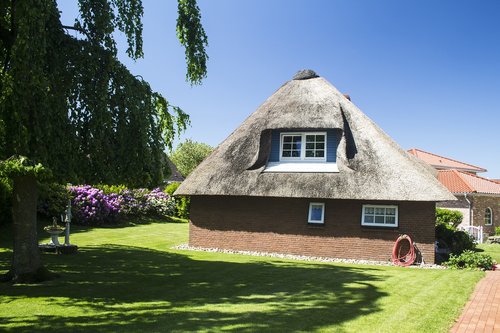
{"x":482,"y":312}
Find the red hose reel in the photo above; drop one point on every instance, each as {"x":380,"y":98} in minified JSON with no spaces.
{"x":403,"y":259}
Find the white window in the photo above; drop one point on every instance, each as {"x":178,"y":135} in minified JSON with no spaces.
{"x":303,"y":146}
{"x":488,"y":216}
{"x":316,"y":213}
{"x":380,"y":216}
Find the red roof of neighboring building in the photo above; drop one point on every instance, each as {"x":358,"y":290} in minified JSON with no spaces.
{"x":440,"y":162}
{"x":460,"y":182}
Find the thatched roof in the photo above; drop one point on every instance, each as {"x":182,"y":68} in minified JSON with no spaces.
{"x":371,"y":165}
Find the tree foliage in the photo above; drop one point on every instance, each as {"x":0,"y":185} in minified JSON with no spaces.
{"x":68,"y":103}
{"x":189,"y":154}
{"x":192,"y":36}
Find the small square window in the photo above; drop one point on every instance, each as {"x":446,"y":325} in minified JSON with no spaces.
{"x":316,"y":213}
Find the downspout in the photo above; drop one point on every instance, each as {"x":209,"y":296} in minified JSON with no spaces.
{"x":470,"y":209}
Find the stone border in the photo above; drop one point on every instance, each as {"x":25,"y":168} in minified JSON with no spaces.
{"x":186,"y":247}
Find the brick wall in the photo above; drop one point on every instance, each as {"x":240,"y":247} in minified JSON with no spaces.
{"x":280,"y":225}
{"x":479,"y":205}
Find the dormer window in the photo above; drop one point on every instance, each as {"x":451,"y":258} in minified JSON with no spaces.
{"x":293,"y":147}
{"x":303,"y":150}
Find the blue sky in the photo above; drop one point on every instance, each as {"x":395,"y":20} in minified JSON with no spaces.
{"x":427,"y":72}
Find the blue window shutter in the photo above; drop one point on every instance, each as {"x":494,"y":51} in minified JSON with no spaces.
{"x":331,"y":146}
{"x":275,"y":147}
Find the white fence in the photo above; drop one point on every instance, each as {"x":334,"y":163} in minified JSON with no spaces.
{"x":475,"y":232}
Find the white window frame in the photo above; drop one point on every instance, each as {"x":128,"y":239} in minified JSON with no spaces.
{"x":488,"y":209}
{"x":302,"y":157}
{"x":311,"y":204}
{"x":368,"y":224}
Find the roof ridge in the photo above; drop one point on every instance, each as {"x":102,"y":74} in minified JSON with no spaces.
{"x":482,"y":178}
{"x":451,"y":159}
{"x":458,"y":173}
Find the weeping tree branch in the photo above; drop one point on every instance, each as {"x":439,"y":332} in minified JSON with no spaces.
{"x":80,"y":30}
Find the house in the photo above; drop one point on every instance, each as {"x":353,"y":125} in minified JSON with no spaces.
{"x":308,"y":173}
{"x":175,"y":175}
{"x":445,"y":163}
{"x":478,"y":197}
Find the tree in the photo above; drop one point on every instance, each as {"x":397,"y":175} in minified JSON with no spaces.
{"x":68,"y":102}
{"x":189,"y":154}
{"x":26,"y":263}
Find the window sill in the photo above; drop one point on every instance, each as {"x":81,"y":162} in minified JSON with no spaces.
{"x":376,"y":227}
{"x":316,"y":225}
{"x":312,"y":167}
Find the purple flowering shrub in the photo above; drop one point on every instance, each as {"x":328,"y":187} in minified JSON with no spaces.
{"x":160,"y":203}
{"x":142,"y":202}
{"x":93,"y":206}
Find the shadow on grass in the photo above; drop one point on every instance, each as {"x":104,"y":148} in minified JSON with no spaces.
{"x":120,"y":288}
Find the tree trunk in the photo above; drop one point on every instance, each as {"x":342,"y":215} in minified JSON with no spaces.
{"x":26,"y":264}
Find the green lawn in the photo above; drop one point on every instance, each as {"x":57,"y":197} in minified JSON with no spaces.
{"x":492,"y":249}
{"x":129,"y":280}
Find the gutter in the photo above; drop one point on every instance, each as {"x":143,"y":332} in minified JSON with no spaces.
{"x":470,"y":209}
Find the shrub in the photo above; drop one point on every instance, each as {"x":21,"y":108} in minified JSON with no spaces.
{"x":470,"y":260}
{"x":53,"y":199}
{"x":132,"y":203}
{"x":172,"y":187}
{"x":497,"y":231}
{"x":108,"y":189}
{"x":160,"y":203}
{"x":182,"y":207}
{"x":182,"y":203}
{"x":449,"y":217}
{"x":457,"y":241}
{"x":92,"y":207}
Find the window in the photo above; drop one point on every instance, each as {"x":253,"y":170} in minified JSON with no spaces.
{"x":316,"y":213}
{"x":315,"y":145}
{"x":303,"y":146}
{"x":291,"y":146}
{"x":488,"y":216}
{"x":380,"y":216}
